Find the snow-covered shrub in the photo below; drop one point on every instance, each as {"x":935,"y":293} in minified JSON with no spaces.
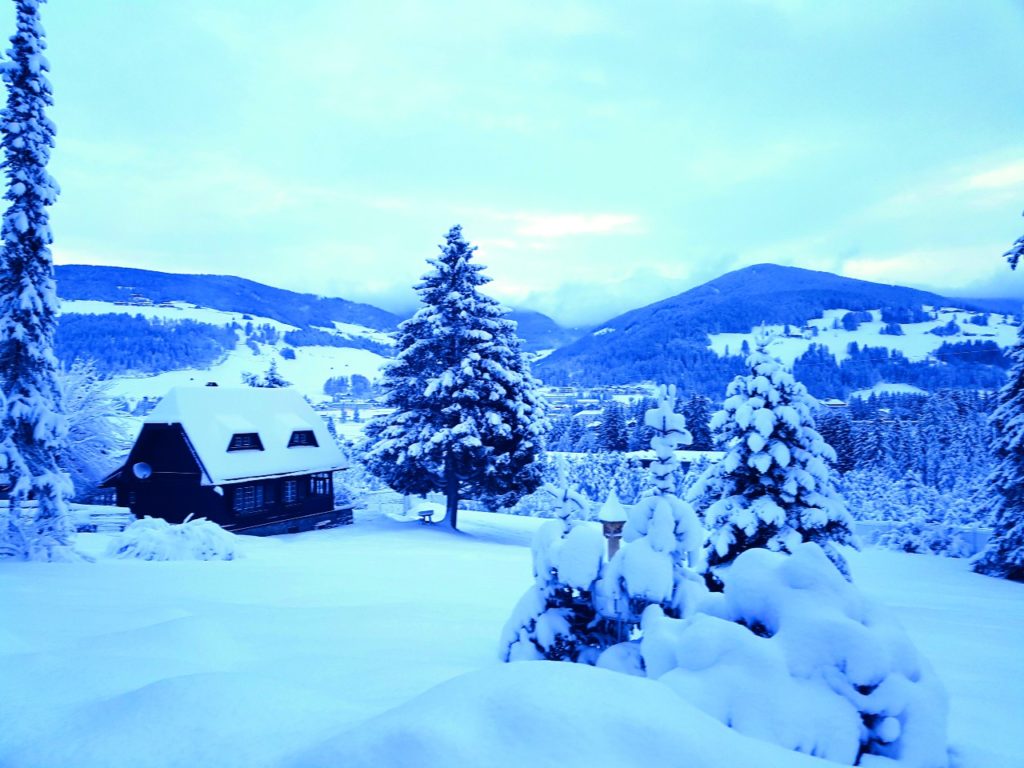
{"x":774,"y":488}
{"x":794,"y":654}
{"x":555,"y":619}
{"x":155,"y":539}
{"x":921,"y":518}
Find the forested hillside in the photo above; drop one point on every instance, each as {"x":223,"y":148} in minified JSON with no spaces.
{"x":223,"y":292}
{"x":669,"y":340}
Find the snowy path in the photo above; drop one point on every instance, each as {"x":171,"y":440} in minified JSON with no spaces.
{"x":250,"y":662}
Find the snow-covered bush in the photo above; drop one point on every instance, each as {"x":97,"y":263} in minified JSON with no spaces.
{"x":921,"y":518}
{"x":556,"y":619}
{"x":97,"y":432}
{"x":774,"y":488}
{"x":792,"y":653}
{"x":595,"y":475}
{"x":155,"y":539}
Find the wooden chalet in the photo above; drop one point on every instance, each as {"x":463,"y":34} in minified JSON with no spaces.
{"x":252,"y":460}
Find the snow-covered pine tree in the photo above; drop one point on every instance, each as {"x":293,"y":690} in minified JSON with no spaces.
{"x":1016,"y":252}
{"x":697,"y":411}
{"x":774,"y":488}
{"x":32,"y":423}
{"x":613,"y":427}
{"x":663,"y":532}
{"x":468,"y":418}
{"x":1004,"y":555}
{"x":271,"y":379}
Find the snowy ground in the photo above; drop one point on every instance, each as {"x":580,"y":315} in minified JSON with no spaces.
{"x":272,"y":659}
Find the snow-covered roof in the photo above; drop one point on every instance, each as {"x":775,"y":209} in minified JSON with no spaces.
{"x":210,"y":417}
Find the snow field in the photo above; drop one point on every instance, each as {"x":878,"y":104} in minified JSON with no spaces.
{"x":299,"y":652}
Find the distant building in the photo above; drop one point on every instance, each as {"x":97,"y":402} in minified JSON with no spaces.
{"x":252,"y":460}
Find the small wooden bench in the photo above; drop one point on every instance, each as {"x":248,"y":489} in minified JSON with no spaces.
{"x":426,"y":516}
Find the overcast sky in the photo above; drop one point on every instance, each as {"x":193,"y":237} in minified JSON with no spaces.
{"x":603,"y":154}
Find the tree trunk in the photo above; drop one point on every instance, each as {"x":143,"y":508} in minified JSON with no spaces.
{"x":452,"y":495}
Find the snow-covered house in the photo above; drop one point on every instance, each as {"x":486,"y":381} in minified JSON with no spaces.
{"x":253,"y":460}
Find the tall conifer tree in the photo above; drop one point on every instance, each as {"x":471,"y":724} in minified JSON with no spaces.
{"x":1005,"y":553}
{"x":32,"y":425}
{"x":468,"y":419}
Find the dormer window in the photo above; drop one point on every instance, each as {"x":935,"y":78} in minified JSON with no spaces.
{"x":245,"y":441}
{"x":303,"y":437}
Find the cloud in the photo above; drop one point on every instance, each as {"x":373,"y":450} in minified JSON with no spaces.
{"x":1009,"y":175}
{"x":568,"y":224}
{"x":938,"y":268}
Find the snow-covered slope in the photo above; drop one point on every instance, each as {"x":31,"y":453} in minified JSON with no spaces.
{"x":300,"y":652}
{"x":308,"y":371}
{"x":917,"y":343}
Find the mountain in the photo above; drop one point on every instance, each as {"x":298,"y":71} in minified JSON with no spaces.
{"x":669,"y":340}
{"x":226,"y":293}
{"x":539,"y":332}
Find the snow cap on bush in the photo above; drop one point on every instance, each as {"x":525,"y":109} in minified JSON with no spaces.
{"x":155,"y":539}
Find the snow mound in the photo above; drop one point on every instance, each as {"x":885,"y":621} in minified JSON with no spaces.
{"x":155,"y":539}
{"x":546,"y":714}
{"x":792,"y":653}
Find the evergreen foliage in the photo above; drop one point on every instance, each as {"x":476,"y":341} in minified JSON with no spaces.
{"x":1005,"y":553}
{"x":125,"y":343}
{"x":271,"y":379}
{"x":961,"y":365}
{"x":774,"y":488}
{"x":1016,"y":251}
{"x":33,"y":428}
{"x":468,"y":420}
{"x":698,"y":411}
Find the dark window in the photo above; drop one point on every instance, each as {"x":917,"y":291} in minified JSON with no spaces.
{"x":245,"y":441}
{"x":302,"y":437}
{"x":248,"y":499}
{"x":320,"y":484}
{"x":290,"y":491}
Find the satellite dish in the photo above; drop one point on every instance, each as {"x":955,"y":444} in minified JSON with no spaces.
{"x":142,"y":470}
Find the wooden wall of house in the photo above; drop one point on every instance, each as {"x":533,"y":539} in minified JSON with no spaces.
{"x":173,"y":489}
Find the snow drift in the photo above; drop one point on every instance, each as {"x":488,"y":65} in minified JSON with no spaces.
{"x":546,"y":714}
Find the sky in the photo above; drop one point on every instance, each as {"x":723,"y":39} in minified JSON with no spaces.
{"x":603,"y":155}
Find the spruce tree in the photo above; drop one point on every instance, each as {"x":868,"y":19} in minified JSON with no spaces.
{"x":468,"y":419}
{"x":663,"y":532}
{"x":1004,"y":555}
{"x":697,"y":411}
{"x":774,"y":488}
{"x":32,"y":424}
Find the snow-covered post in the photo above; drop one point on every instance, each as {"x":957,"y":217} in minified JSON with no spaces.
{"x":32,"y":423}
{"x":612,"y":517}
